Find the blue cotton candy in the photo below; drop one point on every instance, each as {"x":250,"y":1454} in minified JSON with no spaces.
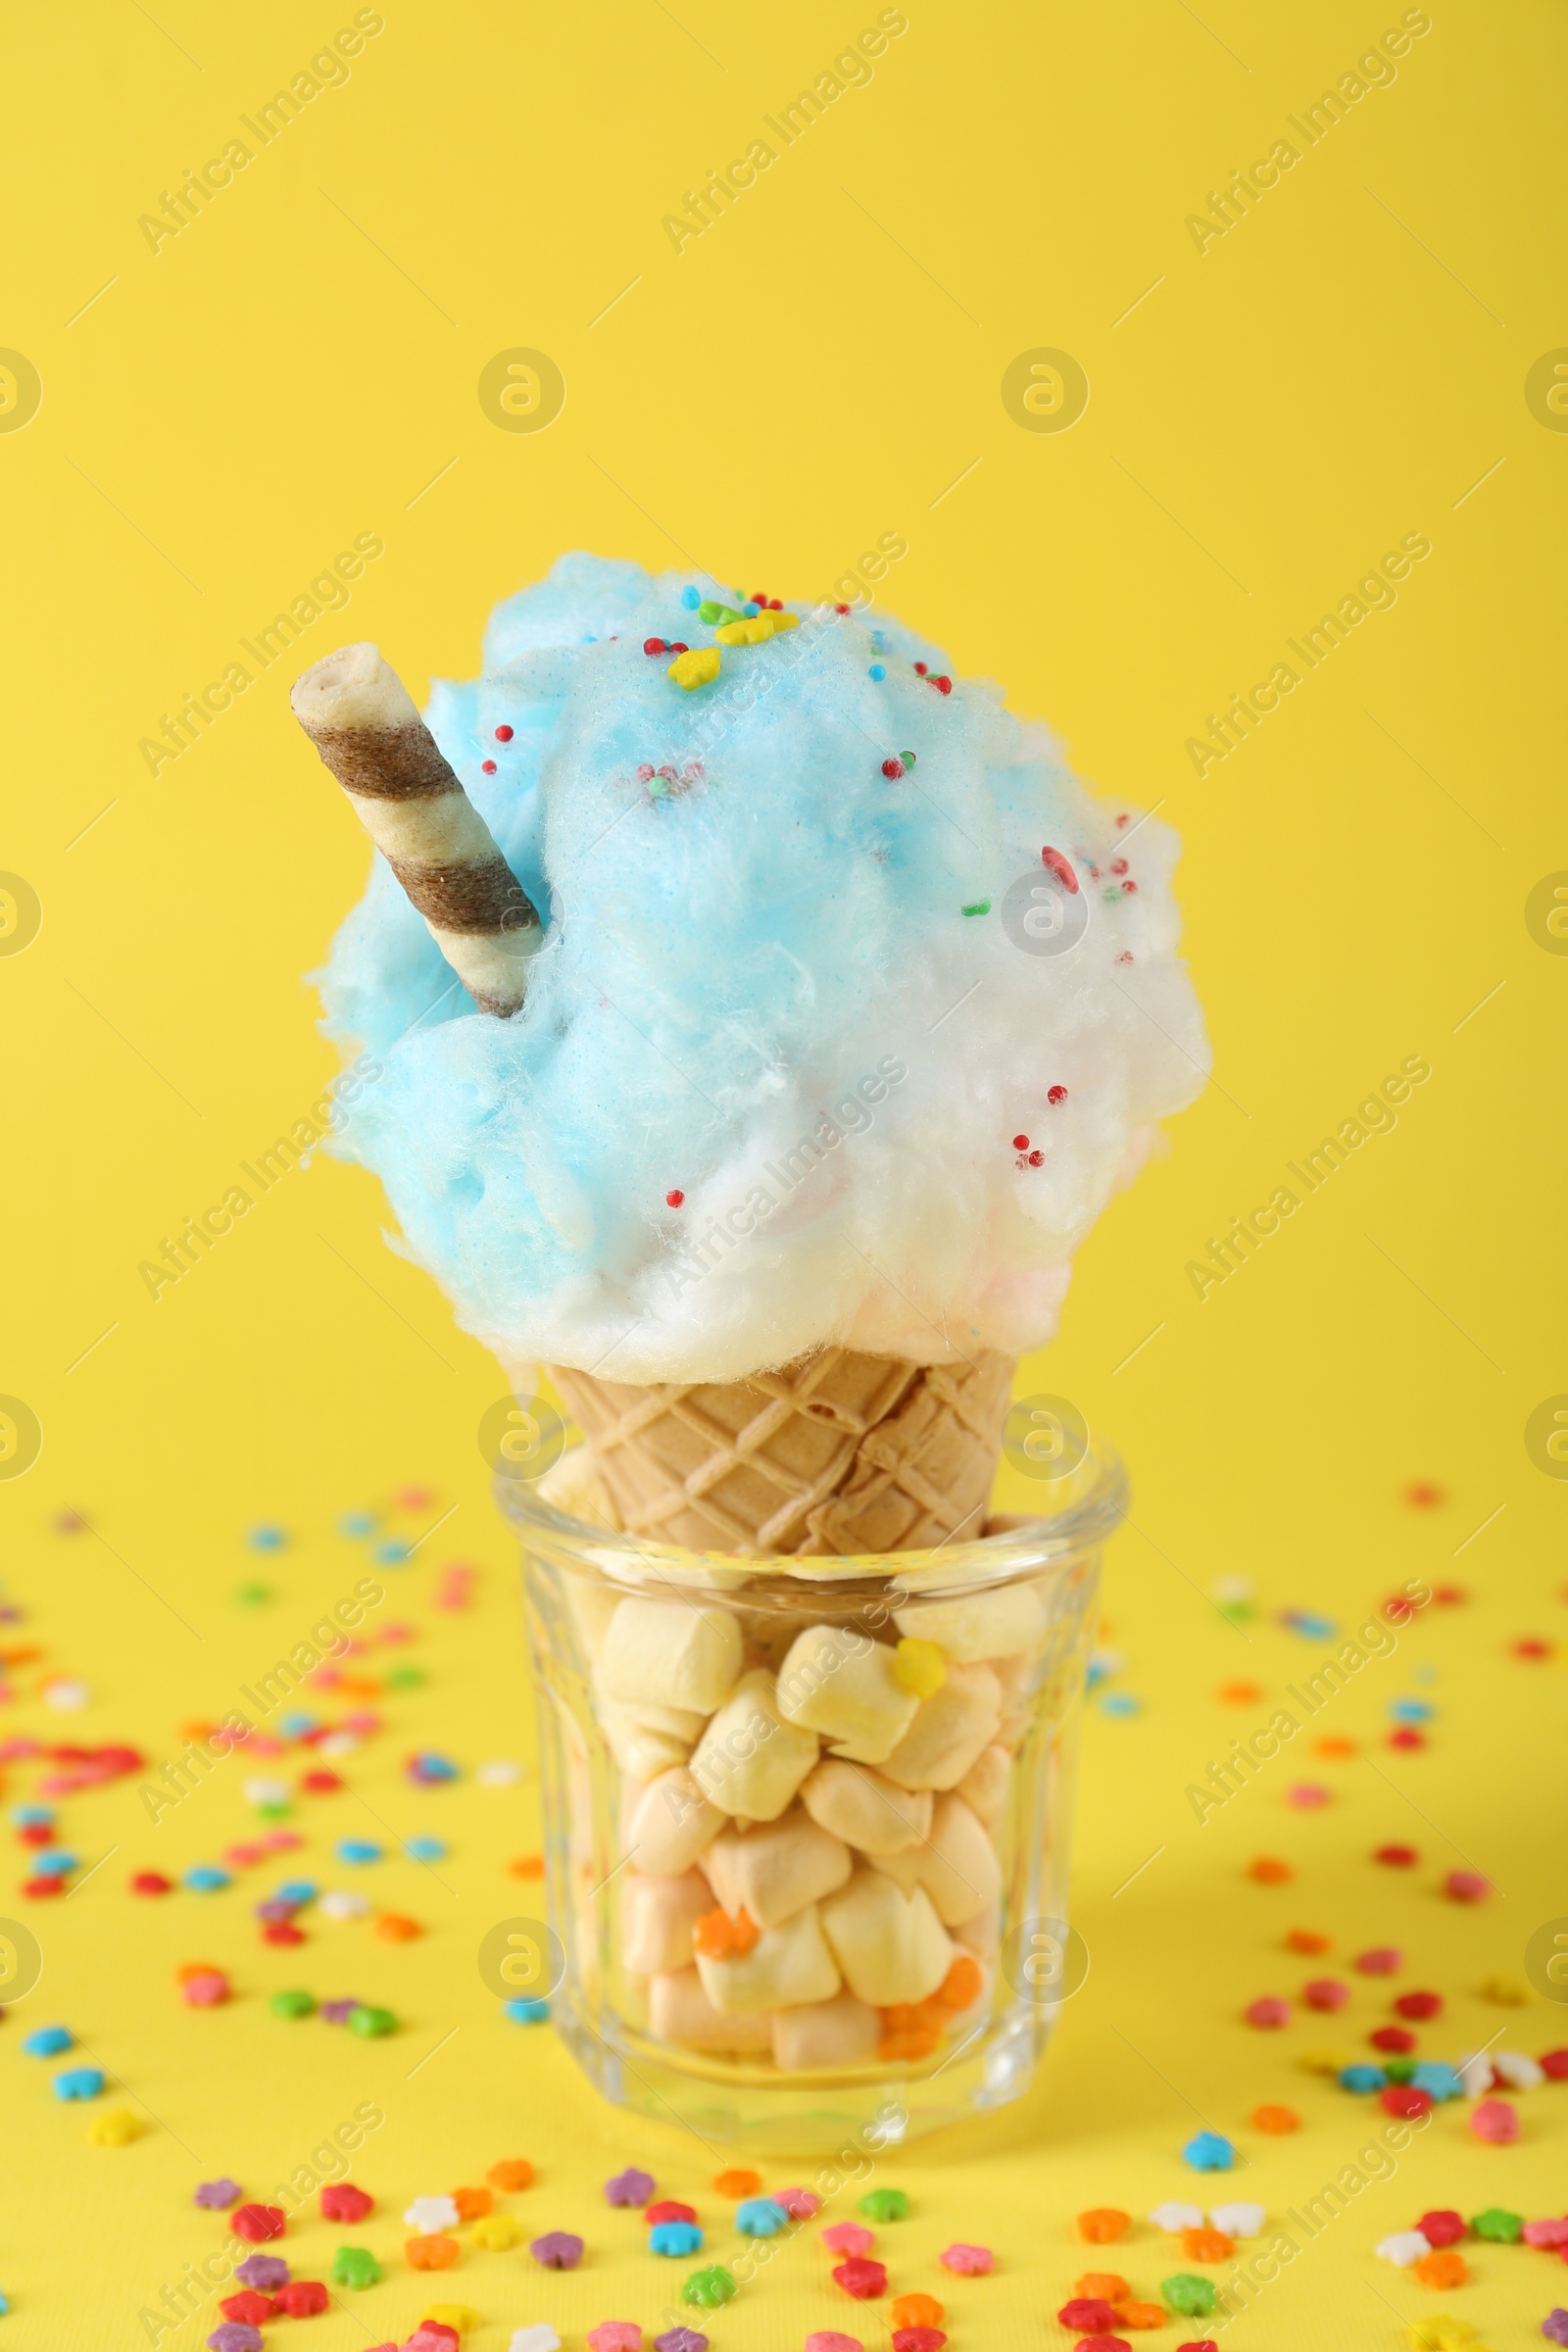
{"x":759,"y":988}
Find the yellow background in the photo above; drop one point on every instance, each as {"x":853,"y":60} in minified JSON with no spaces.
{"x":1266,"y":418}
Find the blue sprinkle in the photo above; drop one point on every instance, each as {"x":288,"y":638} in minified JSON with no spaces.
{"x":1411,"y":1710}
{"x":1311,"y":1627}
{"x":432,"y":1767}
{"x":48,"y":2041}
{"x":28,"y":1817}
{"x":878,"y":672}
{"x":393,"y":1553}
{"x":525,"y":2013}
{"x":748,"y":610}
{"x":78,"y":2083}
{"x":55,"y":1862}
{"x":1438,"y":2080}
{"x":357,"y":1523}
{"x":691,"y":597}
{"x":296,"y":1723}
{"x":207,"y":1878}
{"x":358,"y":1850}
{"x":759,"y":2217}
{"x":674,"y":2238}
{"x":265,"y":1538}
{"x":296,"y":1891}
{"x":1362,"y":2078}
{"x":1120,"y":1703}
{"x":1209,"y":2152}
{"x":425,"y":1849}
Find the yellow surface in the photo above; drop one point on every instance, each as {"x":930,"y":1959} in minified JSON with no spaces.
{"x":820,"y":371}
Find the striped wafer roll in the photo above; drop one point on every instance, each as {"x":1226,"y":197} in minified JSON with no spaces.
{"x":360,"y":717}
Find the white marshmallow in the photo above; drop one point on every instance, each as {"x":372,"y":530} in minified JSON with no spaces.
{"x":1002,"y":1623}
{"x":1173,"y":2218}
{"x":864,"y":1809}
{"x":981,"y":1935}
{"x":950,"y":1730}
{"x":672,"y":1653}
{"x":681,"y":2013}
{"x":1404,"y":2248}
{"x":958,"y":1866}
{"x":776,"y":1869}
{"x":842,"y":1683}
{"x":891,"y":1947}
{"x":657,"y":1918}
{"x":984,"y":1786}
{"x":666,"y":1825}
{"x":784,"y":1967}
{"x":749,"y":1760}
{"x":1238,"y":2220}
{"x":573,"y":1485}
{"x":639,"y":1750}
{"x":842,"y":2032}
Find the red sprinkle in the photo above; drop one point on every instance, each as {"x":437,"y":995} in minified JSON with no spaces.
{"x":248,"y":2307}
{"x":674,"y":1201}
{"x":1418,"y":2004}
{"x":920,"y":669}
{"x":861,"y":2277}
{"x":283,"y":1931}
{"x":1020,"y":1142}
{"x":43,"y":1887}
{"x":1129,"y":889}
{"x":1467,"y":1886}
{"x":1118,"y":866}
{"x":1056,"y":1094}
{"x":1408,"y":1737}
{"x":321,"y":1783}
{"x":487,"y":767}
{"x":1036,"y":1159}
{"x":1398,"y":1857}
{"x":301,"y":2298}
{"x":503,"y":734}
{"x":1123,"y":818}
{"x":1554,"y":2065}
{"x":1424,"y":1495}
{"x":668,"y":2209}
{"x":342,"y":2201}
{"x":893,"y":770}
{"x":256,"y":2224}
{"x":1403,"y":2099}
{"x":841,"y":608}
{"x":655,"y":645}
{"x":1392,"y":2038}
{"x":1442,"y":2226}
{"x":943,"y":685}
{"x":151,"y":1881}
{"x":1058,"y":864}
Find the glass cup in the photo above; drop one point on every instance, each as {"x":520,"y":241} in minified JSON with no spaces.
{"x":806,"y":1822}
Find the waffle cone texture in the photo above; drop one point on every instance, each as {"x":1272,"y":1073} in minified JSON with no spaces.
{"x":841,"y":1453}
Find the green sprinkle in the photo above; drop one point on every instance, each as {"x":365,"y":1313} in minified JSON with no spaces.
{"x":355,"y":2266}
{"x":713,"y":613}
{"x":273,"y":1812}
{"x":254,"y":1597}
{"x":405,"y":1678}
{"x":884,"y":2205}
{"x":1498,"y":2224}
{"x":908,"y":758}
{"x":1186,"y":2292}
{"x":980,"y":907}
{"x":1399,"y":2069}
{"x":372,"y":2021}
{"x":1110,"y":895}
{"x":709,"y":2288}
{"x":292,"y":2004}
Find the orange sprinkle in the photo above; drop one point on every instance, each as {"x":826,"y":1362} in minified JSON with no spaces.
{"x":1442,"y":2269}
{"x":512,"y":2171}
{"x":360,"y":1685}
{"x":1101,"y":2223}
{"x":472,"y":2203}
{"x":1308,"y":1940}
{"x":393,"y":1928}
{"x":1238,"y":1694}
{"x":961,"y":1984}
{"x":718,"y":1936}
{"x":1141,"y":2315}
{"x":431,"y":2253}
{"x":1206,"y":2245}
{"x":527,"y":1866}
{"x":1334,"y":1748}
{"x":915,"y":2311}
{"x":738,"y":2185}
{"x":918,"y":2041}
{"x":198,"y":1968}
{"x":1104,"y":2286}
{"x":1269,"y":1871}
{"x":1275,"y":2118}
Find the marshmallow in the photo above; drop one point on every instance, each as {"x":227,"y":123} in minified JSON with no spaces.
{"x":842,"y":2032}
{"x":950,"y":1730}
{"x":666,"y":1825}
{"x":958,"y":1866}
{"x":864,"y":1809}
{"x":657,"y":1918}
{"x":640,"y":1749}
{"x":1004,"y":1622}
{"x":891,"y":1947}
{"x":775,"y":1870}
{"x":840,"y":1682}
{"x":574,"y":1487}
{"x":681,"y":2013}
{"x":982,"y":1935}
{"x":784,"y":1967}
{"x":592,"y":1605}
{"x":984,"y":1786}
{"x":749,"y":1760}
{"x":672,"y":1653}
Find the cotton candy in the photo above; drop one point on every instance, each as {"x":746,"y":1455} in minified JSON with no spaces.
{"x":760,"y":989}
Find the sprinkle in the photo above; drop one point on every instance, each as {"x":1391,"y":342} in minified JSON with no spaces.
{"x":966,"y":2262}
{"x":697,"y":668}
{"x":1101,"y":2225}
{"x":1058,"y":864}
{"x":358,"y":1851}
{"x":435,"y":2253}
{"x":216,"y":2195}
{"x":674,"y":1199}
{"x":674,"y":2238}
{"x":510,"y":2173}
{"x":249,"y":2307}
{"x":48,"y":2041}
{"x":558,"y":2250}
{"x":738,"y":2183}
{"x":1383,"y":1960}
{"x":709,"y":2288}
{"x":861,"y":2277}
{"x":1269,"y":1871}
{"x":1055,"y":1094}
{"x":615,"y":2335}
{"x":205,"y":1878}
{"x":525,"y":2011}
{"x":921,"y":2311}
{"x":1325,"y":1992}
{"x":1185,"y":2291}
{"x":1209,"y":2152}
{"x":116,"y":2128}
{"x":1174,"y":2218}
{"x":78,"y":2083}
{"x":1396,"y":1857}
{"x":1441,"y":2270}
{"x":1418,"y":2004}
{"x":487,"y":767}
{"x":429,"y":2214}
{"x":302,"y":2298}
{"x":1466,"y":1886}
{"x":980,"y":907}
{"x":503,"y":735}
{"x":1495,"y":2121}
{"x":893,"y":770}
{"x":1091,"y":2315}
{"x":264,"y":2272}
{"x":234,"y":2336}
{"x":1504,"y":2228}
{"x":1275,"y":2120}
{"x":630,"y":2187}
{"x":759,"y":2217}
{"x":676,"y":2339}
{"x":798,"y":2203}
{"x":655,"y":645}
{"x":848,"y":2238}
{"x":1268,"y":2013}
{"x":877,"y":672}
{"x":691,"y":597}
{"x":256,"y":2224}
{"x":1238,"y":2220}
{"x":829,"y":2339}
{"x":1362,"y":2078}
{"x":372,"y":2022}
{"x":295,"y":2002}
{"x":496,"y":2233}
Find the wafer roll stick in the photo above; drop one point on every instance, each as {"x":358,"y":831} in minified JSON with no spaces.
{"x":360,"y":717}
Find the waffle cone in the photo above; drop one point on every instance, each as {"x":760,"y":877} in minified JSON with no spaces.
{"x":840,"y":1452}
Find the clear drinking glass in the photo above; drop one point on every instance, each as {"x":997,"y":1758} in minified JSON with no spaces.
{"x":1017,"y":1606}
